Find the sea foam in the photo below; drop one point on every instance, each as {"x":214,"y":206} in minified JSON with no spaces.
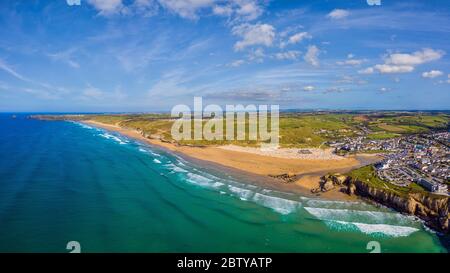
{"x":373,"y":229}
{"x":280,"y":205}
{"x":115,"y":138}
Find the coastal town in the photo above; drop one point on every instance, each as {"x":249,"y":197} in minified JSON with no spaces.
{"x":423,"y":159}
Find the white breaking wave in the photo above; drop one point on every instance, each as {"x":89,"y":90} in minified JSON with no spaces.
{"x":203,"y":181}
{"x":181,"y":163}
{"x":373,"y":229}
{"x":175,"y":168}
{"x":340,"y":215}
{"x":372,"y":217}
{"x":115,"y":138}
{"x":243,"y":194}
{"x":155,"y":154}
{"x":85,"y":126}
{"x":280,"y":205}
{"x":319,"y":203}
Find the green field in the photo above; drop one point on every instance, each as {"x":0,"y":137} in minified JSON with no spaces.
{"x":302,"y":130}
{"x":404,"y":124}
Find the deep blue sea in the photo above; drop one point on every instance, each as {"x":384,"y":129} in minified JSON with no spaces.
{"x":65,"y":181}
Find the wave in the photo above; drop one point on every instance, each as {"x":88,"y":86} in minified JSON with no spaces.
{"x":373,"y":229}
{"x":113,"y":137}
{"x":320,"y":203}
{"x":175,"y":168}
{"x":341,"y":215}
{"x":280,"y":205}
{"x":366,"y":216}
{"x":243,"y":194}
{"x":155,"y":154}
{"x":203,"y":181}
{"x":85,"y":126}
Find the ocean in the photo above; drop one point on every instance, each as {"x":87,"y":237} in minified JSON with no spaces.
{"x":65,"y":181}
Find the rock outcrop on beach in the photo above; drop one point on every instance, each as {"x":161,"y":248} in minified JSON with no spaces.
{"x":285,"y":177}
{"x":330,"y":182}
{"x":433,"y":209}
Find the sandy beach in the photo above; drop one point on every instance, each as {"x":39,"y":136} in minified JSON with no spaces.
{"x":307,"y":168}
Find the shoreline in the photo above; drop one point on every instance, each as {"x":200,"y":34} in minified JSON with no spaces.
{"x":256,"y":168}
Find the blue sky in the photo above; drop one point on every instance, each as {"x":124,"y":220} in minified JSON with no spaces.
{"x":149,"y":55}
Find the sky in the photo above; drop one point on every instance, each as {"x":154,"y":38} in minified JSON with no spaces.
{"x":150,"y":55}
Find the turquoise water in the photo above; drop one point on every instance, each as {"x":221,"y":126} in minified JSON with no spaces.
{"x":63,"y":181}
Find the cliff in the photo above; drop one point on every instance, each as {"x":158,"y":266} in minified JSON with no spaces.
{"x":433,"y":209}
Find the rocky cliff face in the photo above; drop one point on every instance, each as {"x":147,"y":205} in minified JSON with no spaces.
{"x":434,"y":210}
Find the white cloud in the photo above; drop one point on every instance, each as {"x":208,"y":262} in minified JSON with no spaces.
{"x":384,"y":89}
{"x":256,"y":55}
{"x":107,"y":7}
{"x":248,"y":9}
{"x":368,"y":70}
{"x":237,"y":63}
{"x":145,"y":7}
{"x":94,"y":93}
{"x":404,"y":62}
{"x":288,"y":55}
{"x":297,"y":38}
{"x":388,"y":69}
{"x":5,"y":67}
{"x":241,"y":10}
{"x":309,"y":88}
{"x":258,"y":34}
{"x":312,"y":55}
{"x":222,"y":10}
{"x":432,"y":74}
{"x":65,"y":57}
{"x":40,"y":93}
{"x":416,"y":58}
{"x":338,"y":14}
{"x":353,"y":62}
{"x":186,"y":8}
{"x":44,"y":90}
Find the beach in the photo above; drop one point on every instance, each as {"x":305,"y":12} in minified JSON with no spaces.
{"x":112,"y":192}
{"x":308,"y":168}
